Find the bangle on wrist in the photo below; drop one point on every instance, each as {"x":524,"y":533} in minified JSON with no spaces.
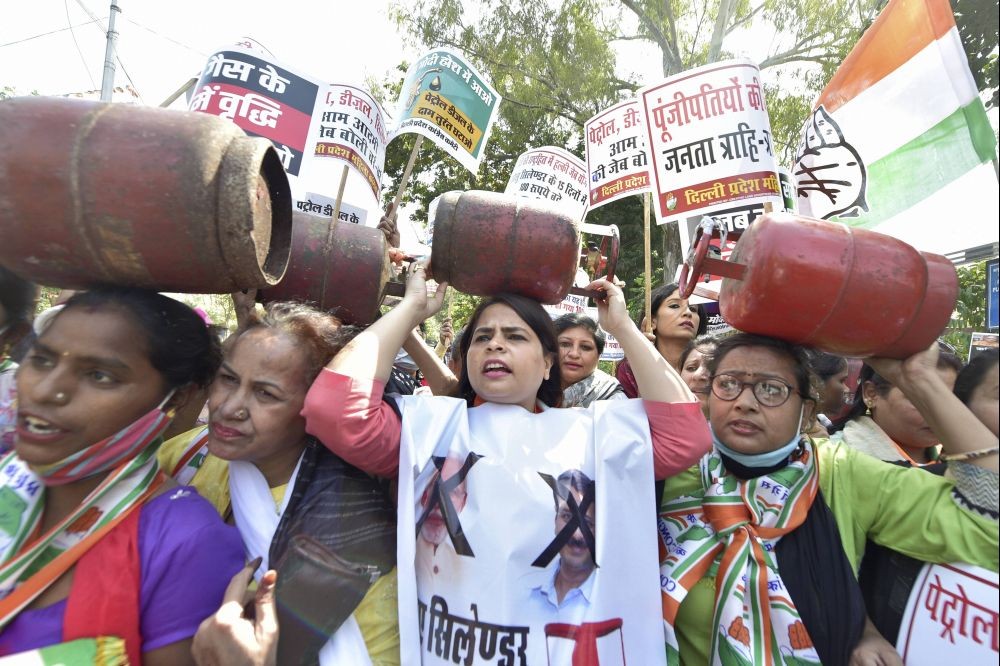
{"x":969,"y":455}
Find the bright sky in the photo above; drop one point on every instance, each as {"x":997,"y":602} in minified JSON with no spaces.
{"x":163,"y":43}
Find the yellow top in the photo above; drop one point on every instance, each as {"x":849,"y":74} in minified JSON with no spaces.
{"x":377,"y":614}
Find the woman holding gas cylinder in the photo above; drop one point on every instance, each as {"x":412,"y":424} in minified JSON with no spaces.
{"x":766,"y":533}
{"x":518,"y":337}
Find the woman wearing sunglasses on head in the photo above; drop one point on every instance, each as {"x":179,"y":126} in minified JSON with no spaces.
{"x":764,"y":536}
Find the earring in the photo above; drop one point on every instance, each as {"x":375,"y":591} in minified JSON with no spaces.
{"x":868,"y":408}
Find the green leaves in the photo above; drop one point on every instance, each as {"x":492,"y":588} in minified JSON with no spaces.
{"x":970,"y":311}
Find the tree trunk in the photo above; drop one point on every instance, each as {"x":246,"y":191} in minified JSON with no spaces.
{"x":672,"y":257}
{"x":719,"y":33}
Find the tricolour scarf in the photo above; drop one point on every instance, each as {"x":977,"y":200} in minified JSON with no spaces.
{"x":102,"y":650}
{"x":30,"y":563}
{"x":734,"y":524}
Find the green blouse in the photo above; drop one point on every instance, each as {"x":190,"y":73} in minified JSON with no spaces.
{"x":907,"y":510}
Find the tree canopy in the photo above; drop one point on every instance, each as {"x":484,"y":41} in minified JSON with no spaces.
{"x":558,"y":64}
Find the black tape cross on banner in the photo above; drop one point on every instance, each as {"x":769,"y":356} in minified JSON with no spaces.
{"x":441,"y":496}
{"x":577,"y":522}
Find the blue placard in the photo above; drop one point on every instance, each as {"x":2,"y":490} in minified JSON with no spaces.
{"x":992,"y":311}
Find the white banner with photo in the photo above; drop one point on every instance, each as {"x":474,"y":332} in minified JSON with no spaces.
{"x":502,"y":517}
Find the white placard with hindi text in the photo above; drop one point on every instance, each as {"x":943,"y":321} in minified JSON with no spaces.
{"x":951,"y":617}
{"x":551,"y":174}
{"x":315,"y":127}
{"x":617,"y":163}
{"x":709,"y":141}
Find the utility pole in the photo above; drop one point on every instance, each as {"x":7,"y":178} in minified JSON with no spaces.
{"x":108,"y":82}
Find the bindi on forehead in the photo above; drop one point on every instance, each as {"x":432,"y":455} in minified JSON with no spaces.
{"x":750,"y":375}
{"x":76,"y":357}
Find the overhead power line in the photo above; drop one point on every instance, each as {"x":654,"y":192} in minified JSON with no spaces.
{"x":86,"y":67}
{"x":169,"y":39}
{"x":45,"y":34}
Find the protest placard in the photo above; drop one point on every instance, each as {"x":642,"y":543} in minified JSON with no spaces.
{"x":951,"y":617}
{"x":321,"y":205}
{"x":551,"y":174}
{"x":308,"y":121}
{"x":447,"y":100}
{"x":260,"y":97}
{"x":575,"y":304}
{"x":348,"y":126}
{"x":616,"y":156}
{"x":981,"y":343}
{"x":709,"y":141}
{"x":788,"y":189}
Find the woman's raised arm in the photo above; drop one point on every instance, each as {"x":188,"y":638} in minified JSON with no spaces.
{"x":371,"y":353}
{"x":677,"y":427}
{"x":344,"y":407}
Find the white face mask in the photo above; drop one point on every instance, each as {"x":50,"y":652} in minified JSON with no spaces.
{"x":768,"y":458}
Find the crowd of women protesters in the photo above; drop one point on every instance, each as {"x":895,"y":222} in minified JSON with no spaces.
{"x":121,"y":544}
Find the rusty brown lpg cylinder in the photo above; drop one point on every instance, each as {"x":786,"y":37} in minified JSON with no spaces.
{"x":845,"y":290}
{"x":94,"y":193}
{"x":487,"y":243}
{"x":341,"y":267}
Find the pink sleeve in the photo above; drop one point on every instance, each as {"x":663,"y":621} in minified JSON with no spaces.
{"x":680,"y":436}
{"x":623,"y":373}
{"x":349,"y":416}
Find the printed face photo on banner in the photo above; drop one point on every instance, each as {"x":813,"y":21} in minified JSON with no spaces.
{"x":316,"y":128}
{"x":709,"y":140}
{"x":573,"y":493}
{"x":447,"y":100}
{"x":505,"y":537}
{"x":442,"y":502}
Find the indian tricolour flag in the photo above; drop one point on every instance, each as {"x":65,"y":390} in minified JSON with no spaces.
{"x":899,"y":141}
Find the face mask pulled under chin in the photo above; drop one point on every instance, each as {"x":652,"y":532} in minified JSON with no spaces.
{"x":110,"y":452}
{"x":768,"y":458}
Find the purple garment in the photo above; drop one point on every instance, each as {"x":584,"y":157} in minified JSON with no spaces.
{"x":187,"y":556}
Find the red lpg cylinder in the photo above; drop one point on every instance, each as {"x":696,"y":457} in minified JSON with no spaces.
{"x":841,"y":289}
{"x":341,"y":267}
{"x":94,"y":193}
{"x":486,"y":243}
